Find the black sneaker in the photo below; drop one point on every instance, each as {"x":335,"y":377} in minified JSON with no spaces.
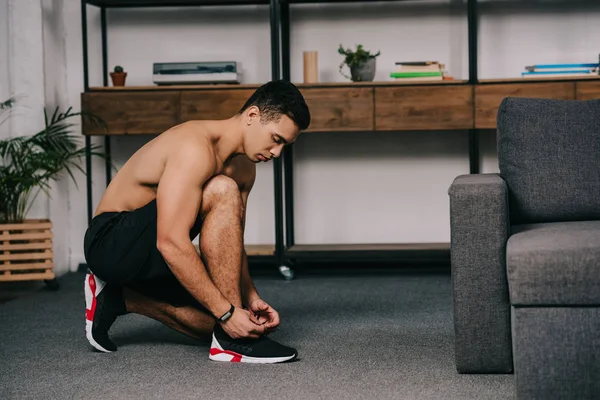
{"x":103,"y":304}
{"x":259,"y":351}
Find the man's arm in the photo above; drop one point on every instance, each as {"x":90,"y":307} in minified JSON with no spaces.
{"x":266,"y":315}
{"x":249,"y":292}
{"x":178,"y":200}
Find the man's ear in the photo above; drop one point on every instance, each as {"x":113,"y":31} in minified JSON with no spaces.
{"x":252,"y":114}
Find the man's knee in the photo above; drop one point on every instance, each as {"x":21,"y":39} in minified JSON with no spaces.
{"x":221,"y":190}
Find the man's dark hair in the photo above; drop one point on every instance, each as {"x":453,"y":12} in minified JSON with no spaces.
{"x":277,"y":98}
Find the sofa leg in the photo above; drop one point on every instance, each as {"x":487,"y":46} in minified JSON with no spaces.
{"x":557,"y":352}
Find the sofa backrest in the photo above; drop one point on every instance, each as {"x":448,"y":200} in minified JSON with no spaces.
{"x":549,"y":156}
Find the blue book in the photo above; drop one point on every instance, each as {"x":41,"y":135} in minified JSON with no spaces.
{"x":559,"y":72}
{"x":558,"y":66}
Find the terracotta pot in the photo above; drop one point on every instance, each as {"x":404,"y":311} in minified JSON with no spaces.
{"x":118,"y":78}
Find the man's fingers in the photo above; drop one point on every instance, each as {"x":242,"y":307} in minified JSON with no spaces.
{"x":259,"y":330}
{"x":261,"y":307}
{"x":255,"y":319}
{"x":274,"y":320}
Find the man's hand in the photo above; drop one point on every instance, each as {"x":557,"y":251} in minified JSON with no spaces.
{"x":243,"y":324}
{"x":265,"y":313}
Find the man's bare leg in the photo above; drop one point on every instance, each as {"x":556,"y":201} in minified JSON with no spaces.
{"x":221,"y":248}
{"x":188,"y":320}
{"x":221,"y":237}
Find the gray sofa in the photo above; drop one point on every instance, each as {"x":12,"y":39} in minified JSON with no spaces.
{"x":525,"y":252}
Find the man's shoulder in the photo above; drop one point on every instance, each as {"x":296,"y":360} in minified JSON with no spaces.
{"x":193,"y":153}
{"x":189,"y":142}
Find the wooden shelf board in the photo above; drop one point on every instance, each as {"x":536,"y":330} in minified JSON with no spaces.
{"x":255,"y":249}
{"x":172,"y":3}
{"x":339,"y":84}
{"x":331,"y":1}
{"x":378,"y":83}
{"x":256,"y":85}
{"x":170,"y":87}
{"x":260,"y":249}
{"x":369,"y":247}
{"x":541,"y":79}
{"x":335,"y":106}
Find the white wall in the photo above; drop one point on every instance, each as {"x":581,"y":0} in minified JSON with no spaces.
{"x":4,"y":88}
{"x":24,"y":62}
{"x":390,"y":187}
{"x":4,"y":81}
{"x":56,"y":95}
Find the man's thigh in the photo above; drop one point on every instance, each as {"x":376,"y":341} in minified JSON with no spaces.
{"x":121,"y":247}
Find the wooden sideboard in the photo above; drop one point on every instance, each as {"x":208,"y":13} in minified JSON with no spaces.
{"x":369,"y":106}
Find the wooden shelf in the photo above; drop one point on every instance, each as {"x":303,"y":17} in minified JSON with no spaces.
{"x":254,"y":250}
{"x":541,"y":79}
{"x":587,"y":90}
{"x":260,"y":249}
{"x":171,"y":87}
{"x":269,"y":250}
{"x":433,"y":252}
{"x":172,"y":3}
{"x":489,"y":97}
{"x":423,"y":107}
{"x":256,"y":85}
{"x":340,"y":84}
{"x":370,"y":247}
{"x":331,"y":1}
{"x":335,"y":107}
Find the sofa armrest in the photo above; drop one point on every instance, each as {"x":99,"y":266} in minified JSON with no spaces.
{"x":479,"y":230}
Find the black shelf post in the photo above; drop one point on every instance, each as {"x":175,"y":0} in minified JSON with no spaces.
{"x":86,"y":88}
{"x":105,"y":83}
{"x":288,"y":153}
{"x":473,"y":79}
{"x":275,"y":22}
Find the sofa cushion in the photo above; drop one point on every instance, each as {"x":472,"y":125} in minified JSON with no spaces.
{"x":549,"y":156}
{"x":554,"y":263}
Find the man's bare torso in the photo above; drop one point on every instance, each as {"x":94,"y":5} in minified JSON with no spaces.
{"x":136,"y":183}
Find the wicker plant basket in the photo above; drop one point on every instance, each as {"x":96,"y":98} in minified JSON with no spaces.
{"x":26,"y":252}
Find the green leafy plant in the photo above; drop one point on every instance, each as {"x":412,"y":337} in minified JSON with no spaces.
{"x":355,"y":58}
{"x":118,"y":69}
{"x":28,"y":164}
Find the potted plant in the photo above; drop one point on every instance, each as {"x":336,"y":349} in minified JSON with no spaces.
{"x":361,"y":63}
{"x":118,"y":76}
{"x":28,"y":164}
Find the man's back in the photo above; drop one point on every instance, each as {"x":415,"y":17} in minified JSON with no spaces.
{"x":136,"y":182}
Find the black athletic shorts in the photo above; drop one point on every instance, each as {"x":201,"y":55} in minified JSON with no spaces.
{"x":120,"y":248}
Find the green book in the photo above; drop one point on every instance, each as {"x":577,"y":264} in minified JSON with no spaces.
{"x":414,"y":74}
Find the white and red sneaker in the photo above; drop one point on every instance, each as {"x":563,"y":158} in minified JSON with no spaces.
{"x":103,"y":304}
{"x":258,"y":351}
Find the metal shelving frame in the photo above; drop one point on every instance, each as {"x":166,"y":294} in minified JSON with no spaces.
{"x":422,"y":254}
{"x":279,"y":18}
{"x":274,"y":20}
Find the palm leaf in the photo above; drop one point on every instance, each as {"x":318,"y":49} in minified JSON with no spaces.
{"x":30,"y":163}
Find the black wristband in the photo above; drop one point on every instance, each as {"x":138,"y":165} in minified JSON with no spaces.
{"x":227,"y":315}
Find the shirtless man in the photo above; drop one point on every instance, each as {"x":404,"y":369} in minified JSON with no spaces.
{"x":192,"y":180}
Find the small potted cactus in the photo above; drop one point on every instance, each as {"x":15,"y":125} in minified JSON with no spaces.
{"x":118,"y":76}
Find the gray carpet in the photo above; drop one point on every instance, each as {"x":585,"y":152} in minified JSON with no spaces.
{"x":358,"y":337}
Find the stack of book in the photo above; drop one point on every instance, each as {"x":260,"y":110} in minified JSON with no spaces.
{"x":418,"y":71}
{"x":560,"y":70}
